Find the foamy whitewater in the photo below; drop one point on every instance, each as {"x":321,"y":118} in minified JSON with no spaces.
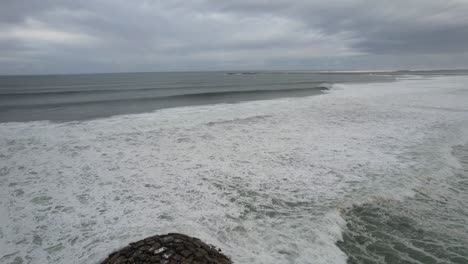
{"x":270,"y":181}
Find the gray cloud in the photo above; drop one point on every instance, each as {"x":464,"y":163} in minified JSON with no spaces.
{"x":102,"y":35}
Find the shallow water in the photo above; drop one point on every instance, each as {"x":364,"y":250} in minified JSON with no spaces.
{"x":267,"y":181}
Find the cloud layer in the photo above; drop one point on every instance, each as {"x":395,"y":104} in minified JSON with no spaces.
{"x":50,"y":36}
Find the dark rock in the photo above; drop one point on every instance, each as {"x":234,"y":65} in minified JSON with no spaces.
{"x":185,"y":253}
{"x":170,"y":248}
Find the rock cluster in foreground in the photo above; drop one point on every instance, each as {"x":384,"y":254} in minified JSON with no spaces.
{"x":168,"y":249}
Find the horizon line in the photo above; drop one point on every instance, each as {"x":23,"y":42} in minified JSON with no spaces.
{"x":304,"y":71}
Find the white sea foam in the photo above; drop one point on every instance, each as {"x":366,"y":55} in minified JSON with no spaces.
{"x":262,"y":180}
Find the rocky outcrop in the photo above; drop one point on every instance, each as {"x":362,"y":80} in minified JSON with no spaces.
{"x":168,"y":249}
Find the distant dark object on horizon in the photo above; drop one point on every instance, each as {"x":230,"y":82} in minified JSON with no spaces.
{"x":240,"y":73}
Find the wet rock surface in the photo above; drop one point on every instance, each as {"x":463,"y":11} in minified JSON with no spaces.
{"x":168,"y":249}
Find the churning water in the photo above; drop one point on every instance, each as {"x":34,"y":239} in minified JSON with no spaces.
{"x":367,"y":172}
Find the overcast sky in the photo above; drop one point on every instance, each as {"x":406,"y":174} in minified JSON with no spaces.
{"x":49,"y":36}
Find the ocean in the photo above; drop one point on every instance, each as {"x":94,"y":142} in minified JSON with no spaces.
{"x":272,"y":167}
{"x":90,"y":96}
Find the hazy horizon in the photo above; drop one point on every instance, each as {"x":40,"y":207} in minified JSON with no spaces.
{"x":250,"y":70}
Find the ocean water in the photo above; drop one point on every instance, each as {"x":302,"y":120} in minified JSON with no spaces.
{"x":90,"y":96}
{"x":373,"y":170}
